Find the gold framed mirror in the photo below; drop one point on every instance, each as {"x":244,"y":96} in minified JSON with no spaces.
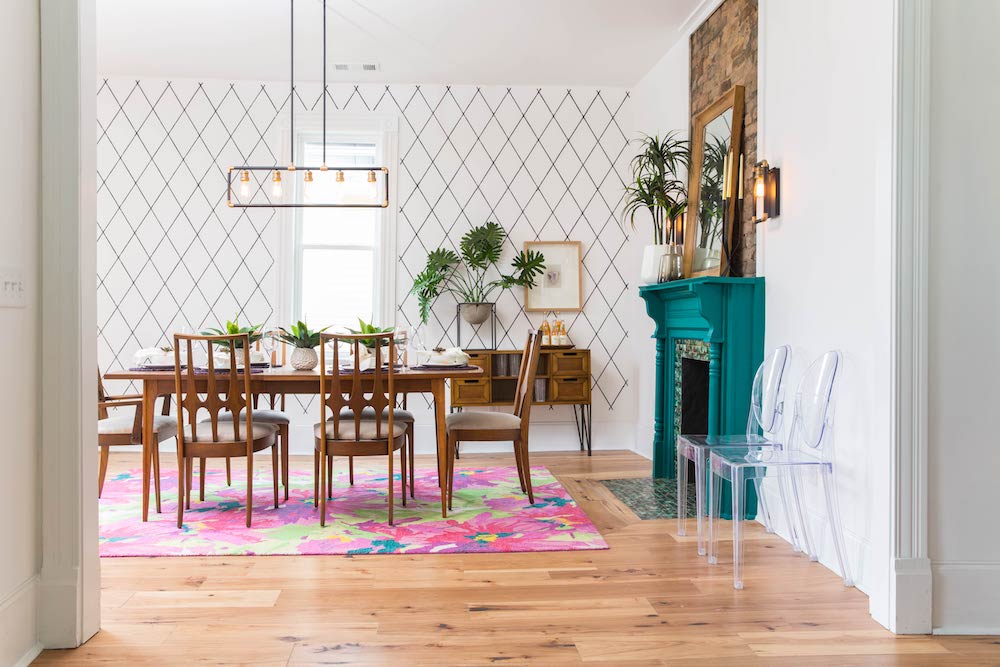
{"x":713,"y":187}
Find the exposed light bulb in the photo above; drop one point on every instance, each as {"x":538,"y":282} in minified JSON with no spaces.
{"x":245,"y":185}
{"x":276,"y":189}
{"x":309,"y":177}
{"x":371,"y":176}
{"x":340,"y":176}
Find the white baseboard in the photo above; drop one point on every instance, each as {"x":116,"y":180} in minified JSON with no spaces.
{"x":911,"y":609}
{"x":965,"y":597}
{"x":19,"y":643}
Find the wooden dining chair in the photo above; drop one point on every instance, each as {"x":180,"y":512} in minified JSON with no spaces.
{"x":479,"y":426}
{"x":274,"y":414}
{"x":124,"y":430}
{"x":336,"y":435}
{"x":401,"y":415}
{"x":217,"y":437}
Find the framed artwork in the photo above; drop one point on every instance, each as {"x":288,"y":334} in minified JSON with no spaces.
{"x":560,"y":287}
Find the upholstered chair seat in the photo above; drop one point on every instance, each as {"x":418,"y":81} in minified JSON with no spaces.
{"x":404,"y":416}
{"x":164,"y":426}
{"x":366,"y":431}
{"x":261,"y":432}
{"x":477,"y":419}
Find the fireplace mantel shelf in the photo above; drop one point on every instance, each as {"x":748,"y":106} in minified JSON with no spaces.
{"x":728,"y":314}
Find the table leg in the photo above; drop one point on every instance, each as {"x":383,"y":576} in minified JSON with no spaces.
{"x":437,"y":390}
{"x":148,"y":441}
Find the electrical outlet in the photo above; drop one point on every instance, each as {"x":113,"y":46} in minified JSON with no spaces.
{"x":12,"y":288}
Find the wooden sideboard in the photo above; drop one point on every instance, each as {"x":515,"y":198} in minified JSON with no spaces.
{"x":563,"y":378}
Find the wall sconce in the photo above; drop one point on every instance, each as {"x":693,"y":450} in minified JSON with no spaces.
{"x":766,"y":192}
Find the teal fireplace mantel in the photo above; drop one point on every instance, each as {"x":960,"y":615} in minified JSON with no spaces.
{"x":728,"y":314}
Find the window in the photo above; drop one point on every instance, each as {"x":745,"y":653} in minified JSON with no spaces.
{"x":339,"y":254}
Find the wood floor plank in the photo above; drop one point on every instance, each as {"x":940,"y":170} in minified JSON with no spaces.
{"x":648,"y":601}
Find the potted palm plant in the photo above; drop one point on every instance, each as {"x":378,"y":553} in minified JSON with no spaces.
{"x":305,"y":341}
{"x":659,"y":187}
{"x":464,"y":274}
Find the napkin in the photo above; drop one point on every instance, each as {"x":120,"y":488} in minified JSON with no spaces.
{"x":453,"y":356}
{"x":153,"y":356}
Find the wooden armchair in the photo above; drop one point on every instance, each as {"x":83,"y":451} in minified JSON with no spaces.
{"x":124,"y":430}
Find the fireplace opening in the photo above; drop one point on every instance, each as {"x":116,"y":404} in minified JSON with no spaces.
{"x":694,"y":400}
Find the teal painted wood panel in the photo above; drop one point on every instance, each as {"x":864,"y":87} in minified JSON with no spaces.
{"x":728,"y":314}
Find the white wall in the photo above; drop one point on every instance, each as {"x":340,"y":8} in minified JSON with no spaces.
{"x":19,"y":225}
{"x":826,"y":121}
{"x":964,"y":448}
{"x":659,"y":105}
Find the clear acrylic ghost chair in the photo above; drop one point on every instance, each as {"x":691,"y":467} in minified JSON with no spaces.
{"x":810,"y":447}
{"x":766,"y":410}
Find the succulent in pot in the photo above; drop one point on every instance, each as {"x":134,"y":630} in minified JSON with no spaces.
{"x":305,"y":341}
{"x":233,"y":328}
{"x":368,"y":328}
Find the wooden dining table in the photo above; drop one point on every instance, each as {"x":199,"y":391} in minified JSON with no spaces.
{"x":285,"y":380}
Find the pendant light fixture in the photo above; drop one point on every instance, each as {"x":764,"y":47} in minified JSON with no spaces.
{"x":251,"y":195}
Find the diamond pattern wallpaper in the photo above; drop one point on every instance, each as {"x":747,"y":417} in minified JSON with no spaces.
{"x":545,"y":163}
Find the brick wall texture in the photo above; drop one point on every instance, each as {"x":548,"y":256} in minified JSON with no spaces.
{"x":724,"y":54}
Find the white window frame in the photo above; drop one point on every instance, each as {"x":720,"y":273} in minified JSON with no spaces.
{"x":381,"y":129}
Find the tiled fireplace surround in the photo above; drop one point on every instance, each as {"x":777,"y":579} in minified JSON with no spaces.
{"x":546,"y":163}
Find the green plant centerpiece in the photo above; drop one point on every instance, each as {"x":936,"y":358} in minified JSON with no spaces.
{"x":368,"y":328}
{"x":305,"y":341}
{"x":233,"y":328}
{"x":465,"y":274}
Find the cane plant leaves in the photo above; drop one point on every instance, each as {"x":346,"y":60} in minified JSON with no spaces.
{"x":658,"y":182}
{"x":465,"y":275}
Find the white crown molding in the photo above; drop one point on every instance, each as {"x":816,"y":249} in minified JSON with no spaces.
{"x":910,"y":589}
{"x":697,"y":16}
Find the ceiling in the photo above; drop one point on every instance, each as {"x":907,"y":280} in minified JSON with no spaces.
{"x":512,"y":42}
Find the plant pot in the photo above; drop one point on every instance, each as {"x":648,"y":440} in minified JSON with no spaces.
{"x":652,"y":256}
{"x":304,"y":358}
{"x":475,"y":313}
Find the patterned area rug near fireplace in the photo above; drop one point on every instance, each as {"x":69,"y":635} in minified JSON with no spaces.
{"x":491,"y":514}
{"x":650,"y":498}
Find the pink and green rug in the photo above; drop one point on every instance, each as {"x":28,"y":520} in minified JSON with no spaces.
{"x":490,"y":515}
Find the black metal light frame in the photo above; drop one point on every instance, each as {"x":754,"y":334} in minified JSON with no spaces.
{"x":291,"y":168}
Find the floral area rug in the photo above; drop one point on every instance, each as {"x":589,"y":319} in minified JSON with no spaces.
{"x":491,"y":514}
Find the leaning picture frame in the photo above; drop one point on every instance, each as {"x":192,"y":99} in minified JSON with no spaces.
{"x":560,"y":287}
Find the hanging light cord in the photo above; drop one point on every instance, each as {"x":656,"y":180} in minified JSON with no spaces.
{"x":291,"y":97}
{"x":324,"y":83}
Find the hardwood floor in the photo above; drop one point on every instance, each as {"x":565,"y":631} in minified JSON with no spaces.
{"x":648,"y":600}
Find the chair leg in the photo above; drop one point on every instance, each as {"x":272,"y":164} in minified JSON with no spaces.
{"x":249,"y":488}
{"x":105,"y":452}
{"x":738,"y":490}
{"x":682,"y":483}
{"x":329,"y":477}
{"x":413,"y":461}
{"x":324,"y":484}
{"x":520,"y":468}
{"x":392,"y":480}
{"x":201,"y":479}
{"x":285,"y":476}
{"x":275,"y":473}
{"x":796,"y":496}
{"x":315,"y":478}
{"x":833,"y":509}
{"x":714,"y":512}
{"x":229,"y":473}
{"x":156,"y":476}
{"x":452,"y":451}
{"x":188,"y":482}
{"x":527,"y":471}
{"x":180,"y":488}
{"x":350,"y":469}
{"x":402,"y":469}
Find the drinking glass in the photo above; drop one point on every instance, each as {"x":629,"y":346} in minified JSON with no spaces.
{"x":268,"y":343}
{"x":402,"y":341}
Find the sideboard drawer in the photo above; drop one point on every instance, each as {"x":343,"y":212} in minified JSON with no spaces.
{"x":569,"y":390}
{"x":480,"y":359}
{"x":471,"y":392}
{"x":570,"y":362}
